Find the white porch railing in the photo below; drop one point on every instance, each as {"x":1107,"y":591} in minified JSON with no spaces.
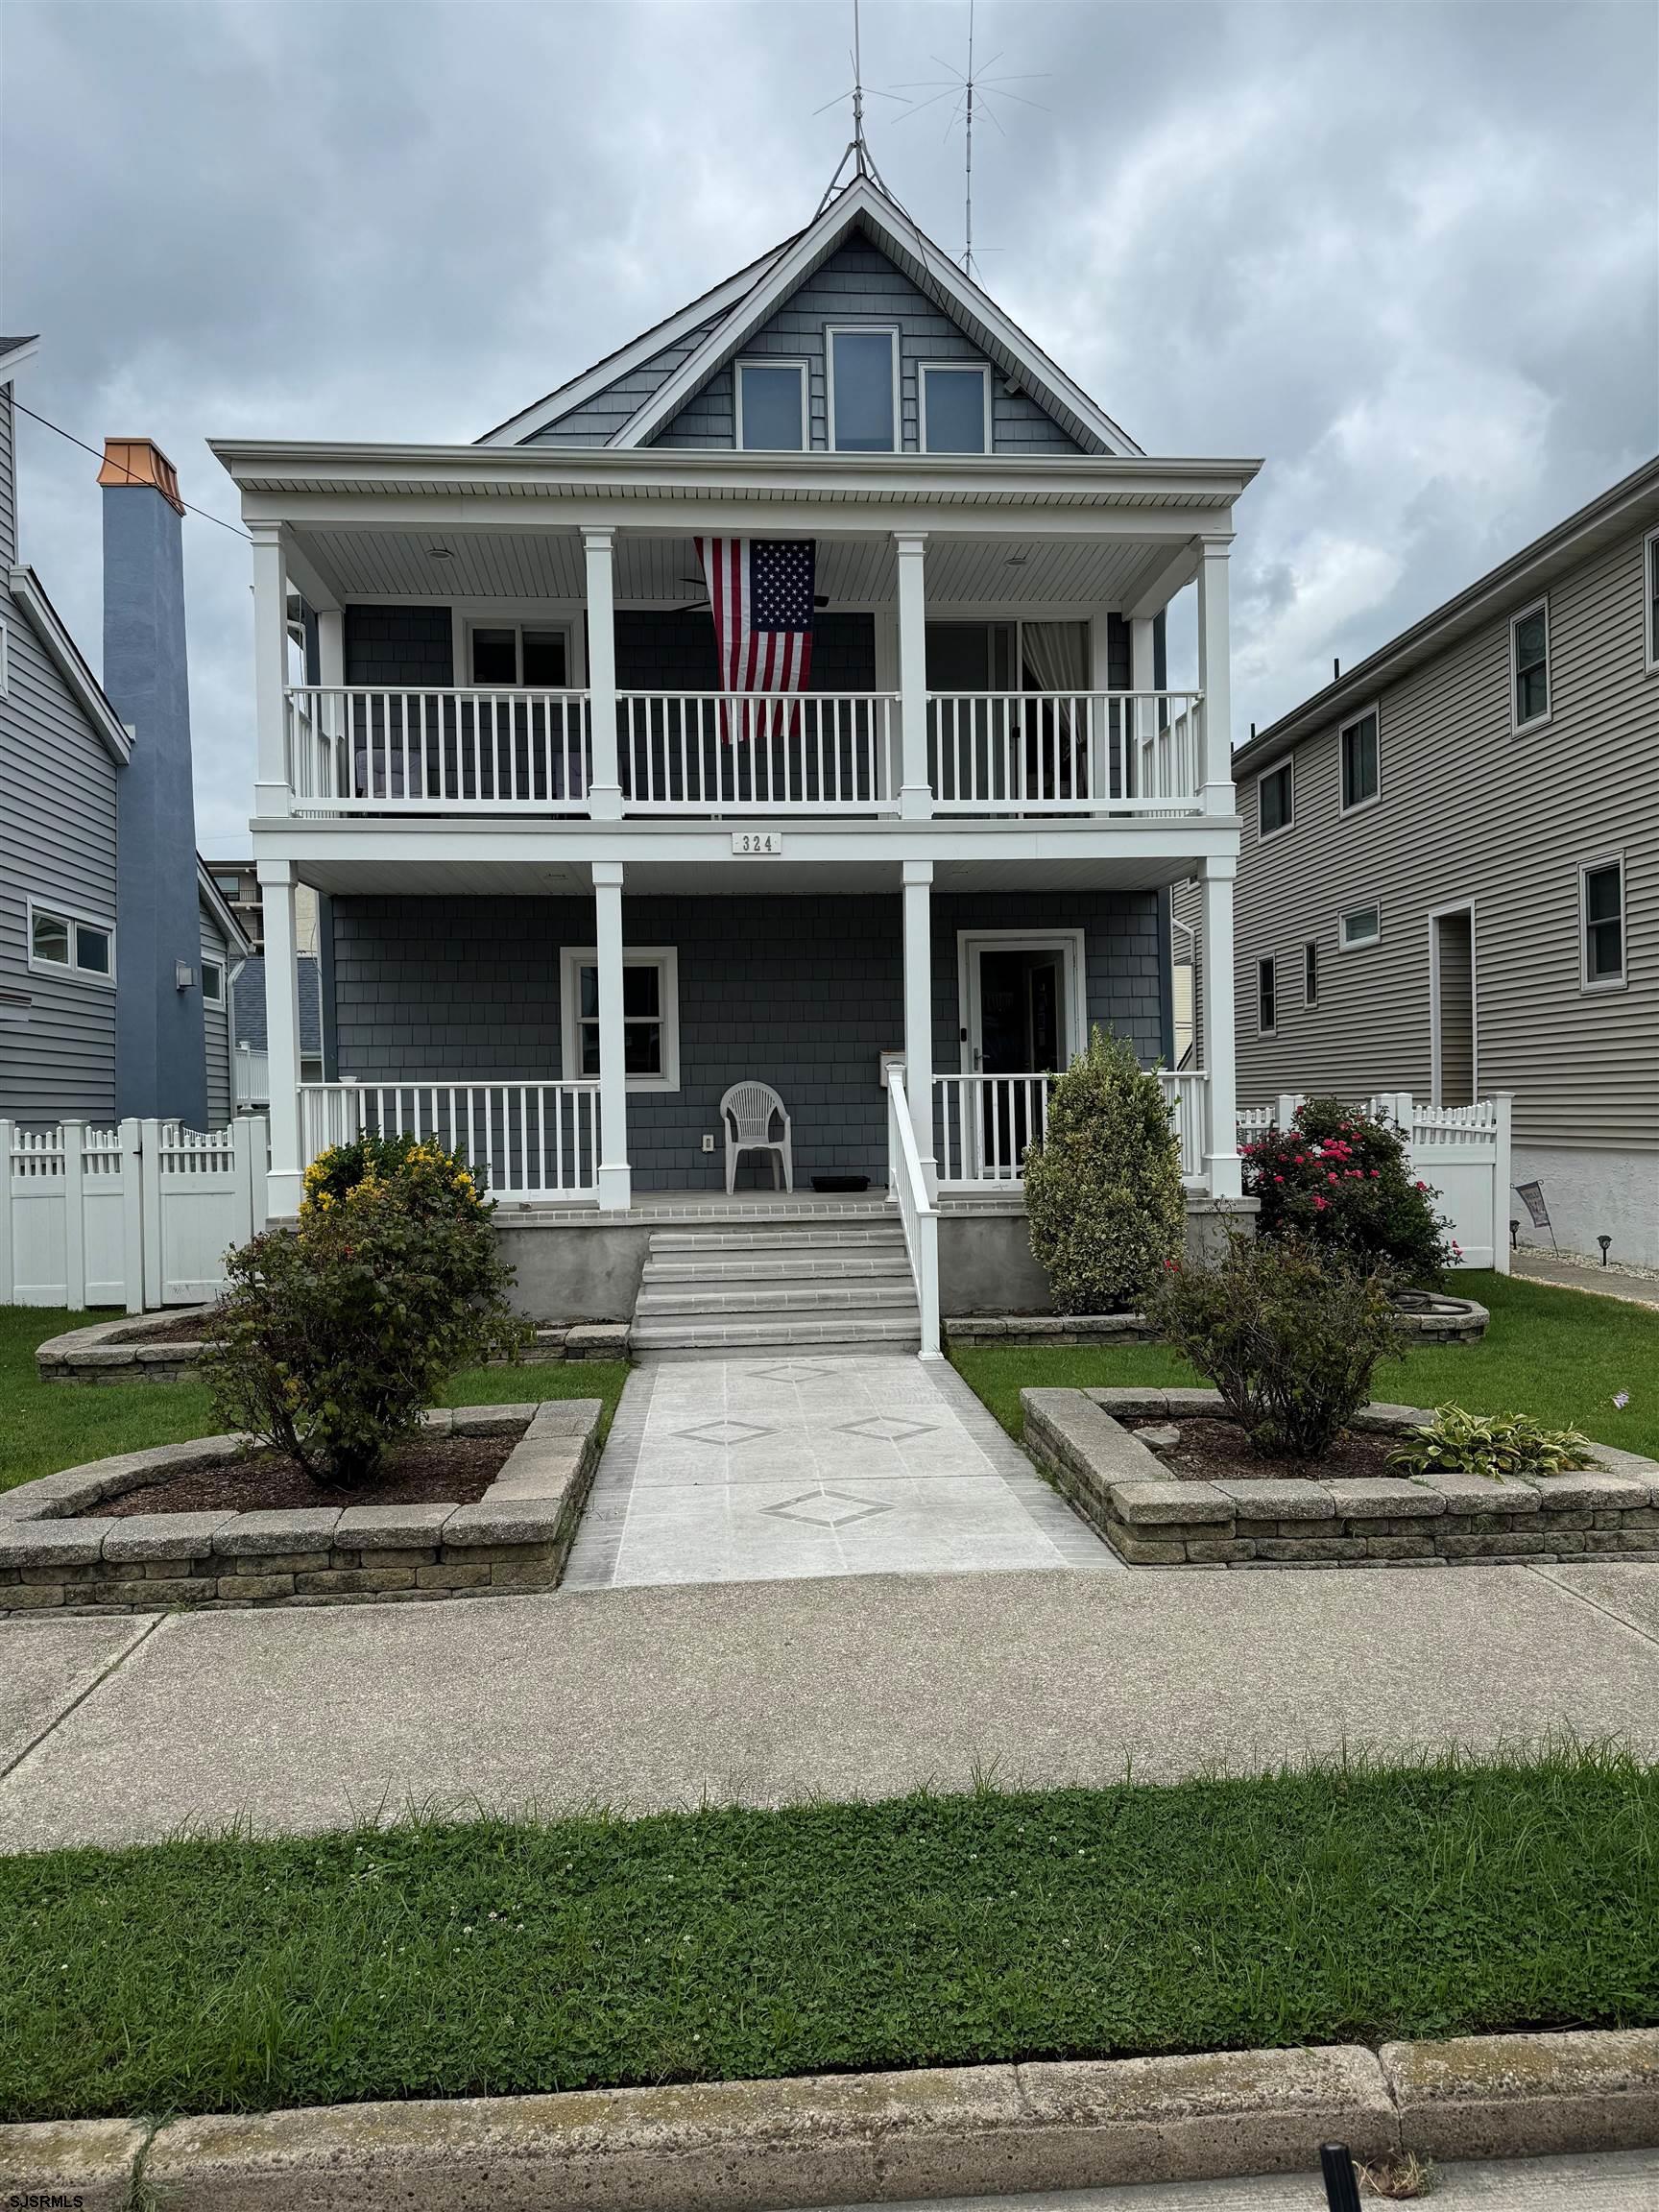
{"x":359,"y":750}
{"x":1066,"y":753}
{"x":814,"y":752}
{"x":917,"y":1211}
{"x":522,"y":1141}
{"x":984,"y":1124}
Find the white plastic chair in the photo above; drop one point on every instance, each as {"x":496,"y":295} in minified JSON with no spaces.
{"x":746,"y":1114}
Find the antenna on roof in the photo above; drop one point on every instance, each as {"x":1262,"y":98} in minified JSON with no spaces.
{"x":971,"y":93}
{"x":858,"y":152}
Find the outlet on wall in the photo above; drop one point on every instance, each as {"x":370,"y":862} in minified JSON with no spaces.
{"x":707,"y":1140}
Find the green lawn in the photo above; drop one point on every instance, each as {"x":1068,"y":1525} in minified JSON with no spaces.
{"x":1561,"y":1354}
{"x":47,"y":1425}
{"x":491,"y":1958}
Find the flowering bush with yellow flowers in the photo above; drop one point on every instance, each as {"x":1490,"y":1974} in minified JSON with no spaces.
{"x":337,"y":1333}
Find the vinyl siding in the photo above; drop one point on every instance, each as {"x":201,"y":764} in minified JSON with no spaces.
{"x":216,"y":1031}
{"x":859,"y":285}
{"x":803,"y":993}
{"x":597,"y":421}
{"x":1470,"y":810}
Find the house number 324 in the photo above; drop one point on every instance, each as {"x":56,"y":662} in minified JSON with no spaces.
{"x":758,"y":843}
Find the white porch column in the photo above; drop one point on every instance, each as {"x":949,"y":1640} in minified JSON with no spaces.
{"x":1214,"y":665}
{"x":330,"y":647}
{"x":916,"y":793}
{"x":283,"y":1188}
{"x":1220,"y":1080}
{"x":919,"y":1011}
{"x":615,"y":1178}
{"x":605,"y":793}
{"x":1141,"y":720}
{"x":272,"y":794}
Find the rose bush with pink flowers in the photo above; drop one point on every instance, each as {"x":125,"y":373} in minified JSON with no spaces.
{"x":1342,"y":1178}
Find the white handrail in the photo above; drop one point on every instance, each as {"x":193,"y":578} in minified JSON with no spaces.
{"x":986,"y":1122}
{"x":522,"y":1141}
{"x":1066,"y":752}
{"x":363,"y":749}
{"x":917,"y":1211}
{"x":761,"y":752}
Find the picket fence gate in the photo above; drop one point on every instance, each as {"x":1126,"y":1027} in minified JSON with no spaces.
{"x":139,"y":1215}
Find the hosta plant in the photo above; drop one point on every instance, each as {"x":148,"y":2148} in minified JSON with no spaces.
{"x":1494,"y":1445}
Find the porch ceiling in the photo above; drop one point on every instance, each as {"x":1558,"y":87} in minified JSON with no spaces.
{"x":364,"y":878}
{"x":540,"y":565}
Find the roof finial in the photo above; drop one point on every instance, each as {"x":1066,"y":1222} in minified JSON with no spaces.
{"x":858,"y":152}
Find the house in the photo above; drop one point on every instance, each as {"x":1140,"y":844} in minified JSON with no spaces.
{"x":1450,"y":874}
{"x":116,"y":948}
{"x":248,"y":1044}
{"x":576,"y":881}
{"x":237,"y":882}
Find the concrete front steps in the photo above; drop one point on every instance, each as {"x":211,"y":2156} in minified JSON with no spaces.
{"x":769,"y":1285}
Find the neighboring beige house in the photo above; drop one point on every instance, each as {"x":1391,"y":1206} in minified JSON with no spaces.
{"x":1449,"y":873}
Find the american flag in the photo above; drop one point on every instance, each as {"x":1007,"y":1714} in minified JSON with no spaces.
{"x":761,"y":590}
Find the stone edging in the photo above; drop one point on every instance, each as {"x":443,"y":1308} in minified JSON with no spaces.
{"x":514,"y":1538}
{"x":118,"y":1350}
{"x":972,"y":2131}
{"x":1151,"y":1520}
{"x":1449,"y":1320}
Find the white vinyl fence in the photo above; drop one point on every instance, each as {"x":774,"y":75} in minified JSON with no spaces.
{"x":1460,"y":1151}
{"x":138,"y":1215}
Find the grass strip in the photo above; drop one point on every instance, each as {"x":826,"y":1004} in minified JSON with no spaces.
{"x":443,"y":1959}
{"x":1556,"y":1354}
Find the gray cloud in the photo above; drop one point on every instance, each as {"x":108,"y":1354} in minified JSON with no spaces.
{"x":1406,"y":253}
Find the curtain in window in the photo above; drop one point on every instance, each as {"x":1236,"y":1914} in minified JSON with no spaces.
{"x":1057,"y":655}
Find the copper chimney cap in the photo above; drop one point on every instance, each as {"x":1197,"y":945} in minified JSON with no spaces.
{"x":141,"y":460}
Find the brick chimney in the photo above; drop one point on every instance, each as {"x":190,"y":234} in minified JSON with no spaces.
{"x":160,"y":1058}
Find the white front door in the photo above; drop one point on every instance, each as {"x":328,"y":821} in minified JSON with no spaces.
{"x":1022,"y":1020}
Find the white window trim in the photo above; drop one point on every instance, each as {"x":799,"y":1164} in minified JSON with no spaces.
{"x":1310,"y":1000}
{"x":1649,"y":616}
{"x":218,"y":968}
{"x":518,"y":624}
{"x":1599,"y":984}
{"x":764,"y":361}
{"x":666,"y":959}
{"x":68,"y":969}
{"x":6,"y":660}
{"x":923,"y":369}
{"x":1535,"y":721}
{"x":1344,"y":944}
{"x":1279,"y":768}
{"x":1072,"y":946}
{"x":1345,"y":806}
{"x":1267,"y":966}
{"x":1437,"y":1073}
{"x":831,"y":330}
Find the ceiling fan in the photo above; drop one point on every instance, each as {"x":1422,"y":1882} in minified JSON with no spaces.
{"x":820,"y":599}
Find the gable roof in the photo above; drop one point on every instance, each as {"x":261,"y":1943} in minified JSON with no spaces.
{"x":749,"y":298}
{"x":211,"y":900}
{"x":13,"y":352}
{"x":64,"y":653}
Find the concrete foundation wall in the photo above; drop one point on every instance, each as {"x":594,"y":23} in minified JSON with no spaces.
{"x":1592,"y":1192}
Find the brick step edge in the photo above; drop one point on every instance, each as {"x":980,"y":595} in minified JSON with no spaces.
{"x":714,"y":2147}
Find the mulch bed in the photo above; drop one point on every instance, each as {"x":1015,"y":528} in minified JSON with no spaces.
{"x":183,"y":1329}
{"x":1214,"y":1450}
{"x":429,"y":1471}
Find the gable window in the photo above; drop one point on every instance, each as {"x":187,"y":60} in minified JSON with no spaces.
{"x":650,"y":1014}
{"x":1602,"y":902}
{"x":1651,"y":555}
{"x":1266,"y":996}
{"x":1275,"y":799}
{"x":508,"y":654}
{"x":1360,"y":926}
{"x":863,"y":391}
{"x":1529,"y":658}
{"x":213,"y":982}
{"x":1361,"y":764}
{"x":955,"y":408}
{"x":68,"y":945}
{"x":1310,"y":972}
{"x":772,"y":406}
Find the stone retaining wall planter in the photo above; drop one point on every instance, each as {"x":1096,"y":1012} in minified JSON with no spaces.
{"x":845,"y":2138}
{"x":57,"y":1556}
{"x":1438,"y":1319}
{"x":1151,"y":1519}
{"x":126,"y":1350}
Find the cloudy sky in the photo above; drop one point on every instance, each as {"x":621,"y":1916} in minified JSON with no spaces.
{"x":1406,"y":252}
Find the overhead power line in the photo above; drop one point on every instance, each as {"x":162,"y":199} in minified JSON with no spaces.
{"x":130,"y":474}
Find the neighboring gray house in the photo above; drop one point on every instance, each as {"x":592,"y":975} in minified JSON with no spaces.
{"x":248,"y":1045}
{"x":115,"y":948}
{"x":1450,"y":877}
{"x":579,"y":878}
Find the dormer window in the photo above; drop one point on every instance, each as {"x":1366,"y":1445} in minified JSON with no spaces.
{"x":863,"y":390}
{"x":955,"y":408}
{"x":772,"y":406}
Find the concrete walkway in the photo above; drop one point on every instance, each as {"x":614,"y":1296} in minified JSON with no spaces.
{"x":123,"y":1729}
{"x":1598,"y":1282}
{"x":766,"y":1469}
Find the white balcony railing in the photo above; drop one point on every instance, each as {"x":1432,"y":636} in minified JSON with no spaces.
{"x":815,"y":752}
{"x":983,"y":1125}
{"x":1066,"y":753}
{"x":355,"y":750}
{"x":522,"y":1141}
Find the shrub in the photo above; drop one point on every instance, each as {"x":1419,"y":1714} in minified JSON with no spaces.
{"x":335,"y":1335}
{"x":430,"y":1180}
{"x":1494,"y":1445}
{"x":1103,"y":1188}
{"x":1289,"y":1334}
{"x":1342,"y":1178}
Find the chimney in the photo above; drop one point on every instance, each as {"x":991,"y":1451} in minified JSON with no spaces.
{"x":160,"y":1058}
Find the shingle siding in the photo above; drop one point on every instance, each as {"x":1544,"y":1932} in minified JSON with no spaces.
{"x":803,"y":993}
{"x":1471,"y":811}
{"x":859,"y":285}
{"x":597,"y":421}
{"x":399,"y":645}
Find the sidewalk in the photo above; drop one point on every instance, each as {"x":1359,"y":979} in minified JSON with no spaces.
{"x":1598,"y":1281}
{"x":125,"y":1729}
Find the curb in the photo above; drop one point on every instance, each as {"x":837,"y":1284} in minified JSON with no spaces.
{"x":863,"y":2138}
